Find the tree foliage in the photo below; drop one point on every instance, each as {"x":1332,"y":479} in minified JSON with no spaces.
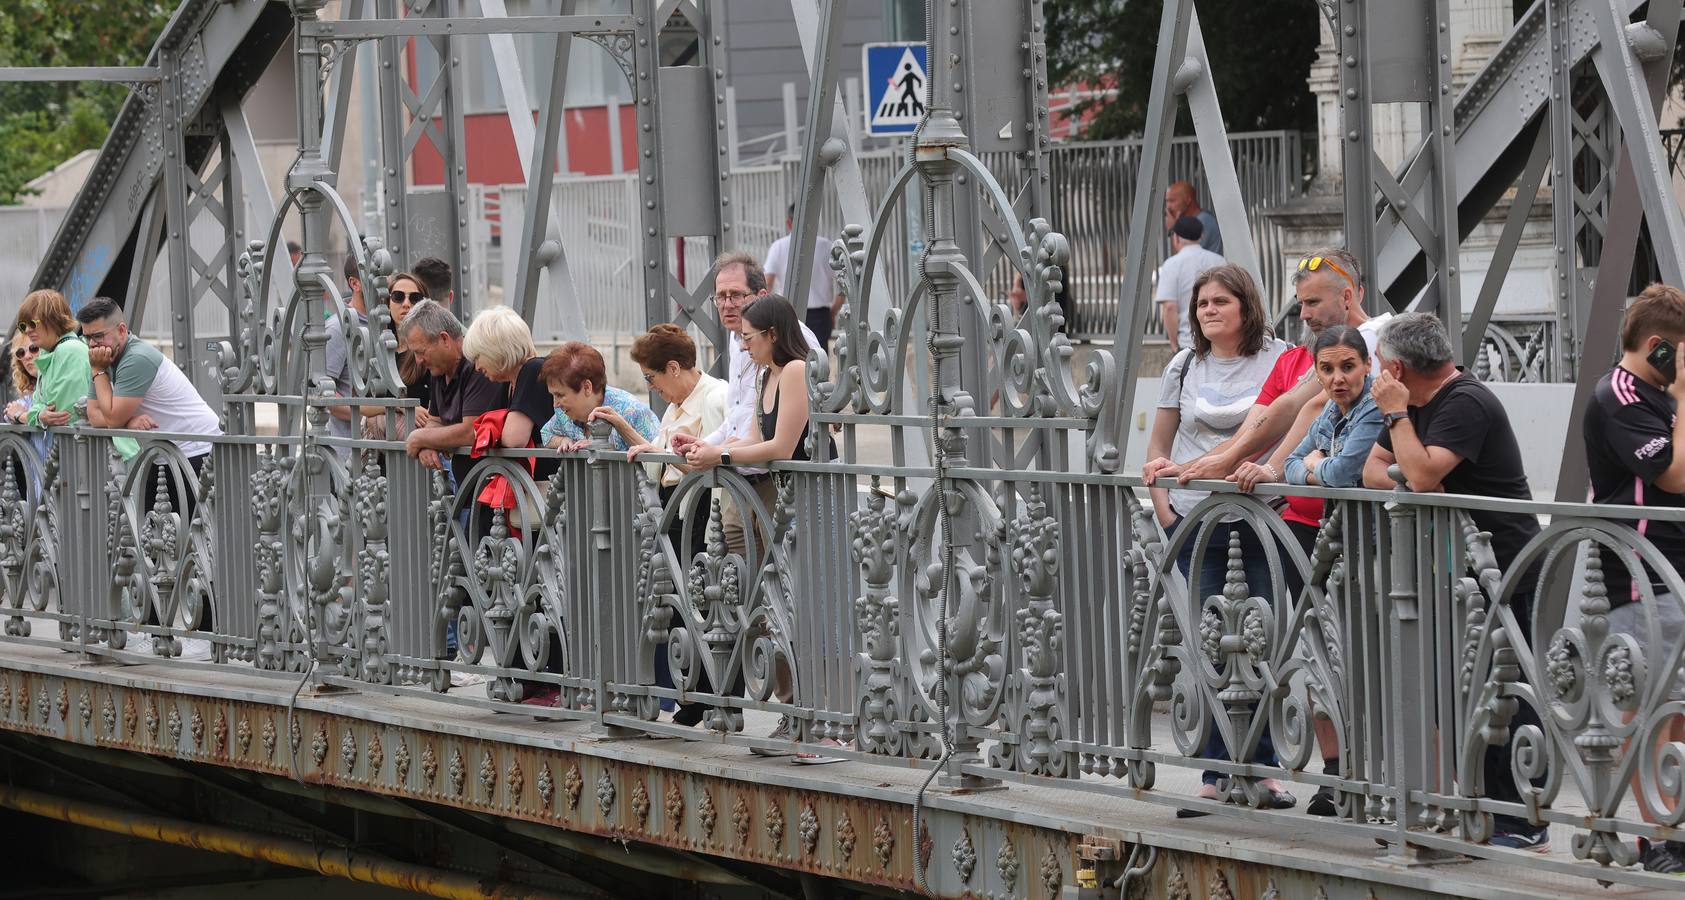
{"x":1260,"y":51}
{"x":41,"y":125}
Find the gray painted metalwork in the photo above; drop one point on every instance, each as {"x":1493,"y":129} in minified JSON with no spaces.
{"x":1007,"y":608}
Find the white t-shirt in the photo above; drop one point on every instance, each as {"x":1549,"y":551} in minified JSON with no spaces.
{"x":166,"y":396}
{"x":1213,"y":397}
{"x":822,"y":283}
{"x":1176,"y":285}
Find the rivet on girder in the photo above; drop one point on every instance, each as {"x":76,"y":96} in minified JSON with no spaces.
{"x":1351,"y":30}
{"x":1351,"y":62}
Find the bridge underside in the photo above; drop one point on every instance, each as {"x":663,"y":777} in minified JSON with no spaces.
{"x":561,"y":799}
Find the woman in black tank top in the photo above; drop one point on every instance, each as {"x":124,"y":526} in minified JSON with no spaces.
{"x":774,"y":340}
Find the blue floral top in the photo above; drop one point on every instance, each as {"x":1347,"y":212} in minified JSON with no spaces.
{"x":636,"y":413}
{"x":1344,"y":440}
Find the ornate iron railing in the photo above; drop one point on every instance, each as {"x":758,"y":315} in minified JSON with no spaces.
{"x":1078,"y":656}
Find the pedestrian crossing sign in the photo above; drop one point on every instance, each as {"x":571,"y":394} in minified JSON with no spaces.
{"x":898,"y":87}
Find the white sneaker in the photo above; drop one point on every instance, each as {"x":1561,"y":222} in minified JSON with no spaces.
{"x":139,"y":643}
{"x":467,"y":679}
{"x":195,"y":649}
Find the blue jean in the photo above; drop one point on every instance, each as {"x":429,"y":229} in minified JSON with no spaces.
{"x":1212,"y":570}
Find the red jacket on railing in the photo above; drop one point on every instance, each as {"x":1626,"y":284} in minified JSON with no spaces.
{"x":488,"y":435}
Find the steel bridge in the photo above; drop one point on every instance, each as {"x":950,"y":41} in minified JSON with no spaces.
{"x":983,"y":622}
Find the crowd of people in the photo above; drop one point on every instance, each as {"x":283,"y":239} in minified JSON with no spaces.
{"x":1366,"y":396}
{"x":1361,"y":398}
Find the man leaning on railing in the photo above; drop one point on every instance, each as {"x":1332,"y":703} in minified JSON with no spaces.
{"x":1449,"y":433}
{"x":134,"y":387}
{"x":1631,"y":429}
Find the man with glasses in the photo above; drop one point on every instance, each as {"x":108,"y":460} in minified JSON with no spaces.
{"x":738,"y":279}
{"x":135,"y":387}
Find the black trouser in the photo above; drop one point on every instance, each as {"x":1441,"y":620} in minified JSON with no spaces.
{"x":820,"y":322}
{"x":1495,"y":767}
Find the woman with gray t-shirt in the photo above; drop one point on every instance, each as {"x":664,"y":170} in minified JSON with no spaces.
{"x":1205,"y":396}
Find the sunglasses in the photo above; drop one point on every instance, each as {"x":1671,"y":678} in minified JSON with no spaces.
{"x":26,"y":352}
{"x":1312,"y":263}
{"x":409,"y":297}
{"x":26,"y":324}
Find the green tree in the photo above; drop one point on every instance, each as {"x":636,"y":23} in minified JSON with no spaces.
{"x":1260,"y":53}
{"x":41,"y":125}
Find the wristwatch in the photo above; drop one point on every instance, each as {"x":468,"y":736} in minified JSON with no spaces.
{"x":1393,"y":418}
{"x":725,"y":457}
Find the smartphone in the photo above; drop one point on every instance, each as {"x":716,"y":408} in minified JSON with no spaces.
{"x":1662,"y":358}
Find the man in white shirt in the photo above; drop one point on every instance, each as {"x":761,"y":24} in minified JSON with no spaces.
{"x":738,"y":281}
{"x":1177,"y":276}
{"x":823,"y":299}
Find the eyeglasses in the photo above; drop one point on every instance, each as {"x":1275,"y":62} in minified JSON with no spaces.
{"x":1312,"y":263}
{"x":410,"y":297}
{"x":649,"y":380}
{"x":26,"y":324}
{"x":751,"y":333}
{"x":732,"y":296}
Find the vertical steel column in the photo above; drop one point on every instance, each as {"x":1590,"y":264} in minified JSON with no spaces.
{"x":1560,"y":122}
{"x":392,"y":157}
{"x":646,"y":100}
{"x":316,"y":216}
{"x":1357,"y":148}
{"x":455,"y":155}
{"x":234,"y":210}
{"x":1438,"y":121}
{"x":176,"y":224}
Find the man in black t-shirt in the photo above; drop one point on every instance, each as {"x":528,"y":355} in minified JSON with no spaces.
{"x":457,"y":393}
{"x":1631,"y":429}
{"x":1449,"y":434}
{"x":1447,"y":431}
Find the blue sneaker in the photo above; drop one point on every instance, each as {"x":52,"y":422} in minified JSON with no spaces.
{"x":1666,"y":858}
{"x":1537,"y":841}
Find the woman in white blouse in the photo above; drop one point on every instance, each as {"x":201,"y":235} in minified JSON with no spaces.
{"x":696,"y":401}
{"x":696,"y":405}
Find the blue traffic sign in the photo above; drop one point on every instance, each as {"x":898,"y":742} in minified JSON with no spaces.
{"x":897,"y":87}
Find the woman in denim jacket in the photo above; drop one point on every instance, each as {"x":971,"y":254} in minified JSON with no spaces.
{"x":1334,"y":450}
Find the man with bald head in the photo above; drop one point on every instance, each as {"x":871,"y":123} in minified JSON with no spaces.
{"x":1181,"y":200}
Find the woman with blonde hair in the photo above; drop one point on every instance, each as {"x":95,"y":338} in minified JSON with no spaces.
{"x":499,"y":344}
{"x":25,"y":376}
